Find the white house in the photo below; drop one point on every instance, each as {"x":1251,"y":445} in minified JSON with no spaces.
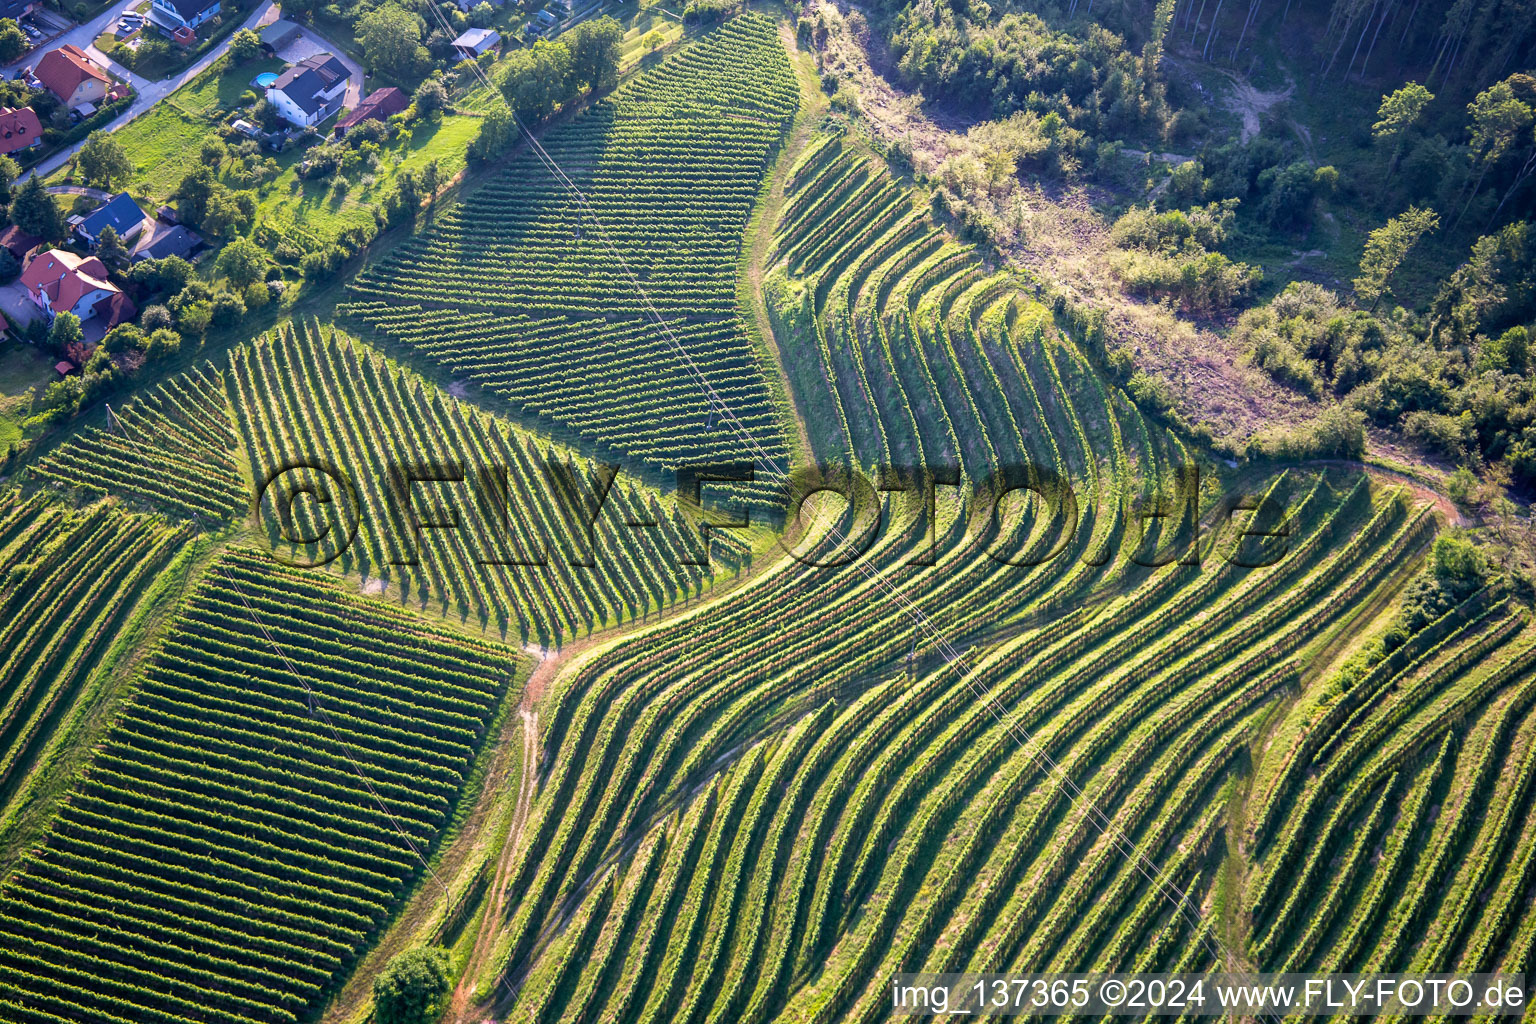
{"x":171,"y":15}
{"x":310,"y":91}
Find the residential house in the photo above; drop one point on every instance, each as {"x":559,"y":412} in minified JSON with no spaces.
{"x":162,"y":240}
{"x":172,"y":16}
{"x":378,"y":105}
{"x":19,"y":129}
{"x":69,"y":74}
{"x":475,"y":42}
{"x":58,"y":280}
{"x":14,"y":9}
{"x":310,"y":91}
{"x":276,"y":36}
{"x":120,"y":213}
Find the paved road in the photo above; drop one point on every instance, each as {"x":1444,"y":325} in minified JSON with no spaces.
{"x":148,"y":93}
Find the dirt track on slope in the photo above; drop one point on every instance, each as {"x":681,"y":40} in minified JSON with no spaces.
{"x":493,"y":915}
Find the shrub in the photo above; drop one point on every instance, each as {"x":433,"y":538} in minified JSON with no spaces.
{"x":1338,"y":432}
{"x":412,"y":987}
{"x":155,"y":318}
{"x":227,"y":310}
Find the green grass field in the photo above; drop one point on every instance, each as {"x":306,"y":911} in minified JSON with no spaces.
{"x":24,"y":371}
{"x":291,"y":203}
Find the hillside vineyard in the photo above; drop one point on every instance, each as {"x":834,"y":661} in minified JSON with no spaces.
{"x":380,"y":649}
{"x":670,"y":167}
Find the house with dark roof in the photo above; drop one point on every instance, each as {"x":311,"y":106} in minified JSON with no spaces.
{"x":379,"y":105}
{"x":19,"y":129}
{"x":14,"y":9}
{"x":475,"y":42}
{"x":120,"y":213}
{"x":310,"y":91}
{"x":69,"y":74}
{"x":58,"y":280}
{"x":163,"y":240}
{"x":171,"y":16}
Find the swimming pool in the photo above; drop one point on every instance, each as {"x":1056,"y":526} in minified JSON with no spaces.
{"x":265,"y":79}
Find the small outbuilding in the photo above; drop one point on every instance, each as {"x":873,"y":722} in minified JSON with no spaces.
{"x":475,"y":42}
{"x":163,"y":240}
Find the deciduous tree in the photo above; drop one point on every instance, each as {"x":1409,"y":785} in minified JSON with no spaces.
{"x":244,"y":45}
{"x":1499,"y":118}
{"x":242,"y":262}
{"x":594,"y":47}
{"x":412,"y":987}
{"x":391,"y":40}
{"x":13,"y":42}
{"x":537,"y":80}
{"x":1399,"y":111}
{"x":1386,"y":249}
{"x":103,"y":162}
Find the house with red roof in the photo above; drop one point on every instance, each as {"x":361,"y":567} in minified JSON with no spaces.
{"x":71,"y":76}
{"x":58,"y":280}
{"x":19,"y":129}
{"x":379,"y":105}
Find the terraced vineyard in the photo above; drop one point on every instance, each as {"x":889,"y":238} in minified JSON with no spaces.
{"x":545,"y":548}
{"x":671,"y":165}
{"x":1428,"y":759}
{"x":227,"y":854}
{"x":69,"y":580}
{"x":879,"y":813}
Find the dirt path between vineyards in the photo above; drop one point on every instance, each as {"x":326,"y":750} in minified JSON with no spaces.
{"x":493,"y":916}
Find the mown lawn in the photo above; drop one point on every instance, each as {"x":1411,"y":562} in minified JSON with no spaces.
{"x":164,"y":145}
{"x":208,"y":94}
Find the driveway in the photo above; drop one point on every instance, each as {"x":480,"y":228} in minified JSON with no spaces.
{"x":17,"y":305}
{"x":147,"y":93}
